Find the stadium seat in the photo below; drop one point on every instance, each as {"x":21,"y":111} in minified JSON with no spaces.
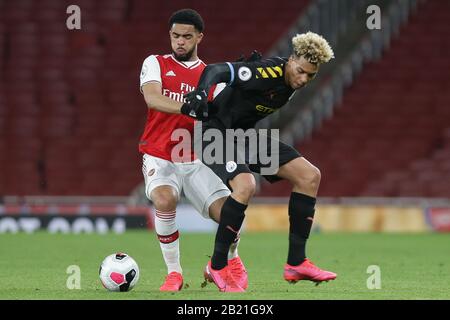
{"x":387,"y":137}
{"x":64,"y":92}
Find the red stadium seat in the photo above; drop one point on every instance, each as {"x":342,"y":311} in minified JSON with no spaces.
{"x":387,"y":137}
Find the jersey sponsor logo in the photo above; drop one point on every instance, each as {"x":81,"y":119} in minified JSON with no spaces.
{"x":151,"y":172}
{"x":231,"y":166}
{"x":244,"y":73}
{"x":170,"y":74}
{"x":264,"y":109}
{"x":177,"y":96}
{"x":184,"y":87}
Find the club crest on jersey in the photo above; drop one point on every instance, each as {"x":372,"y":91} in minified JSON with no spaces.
{"x":244,"y":73}
{"x":231,"y":166}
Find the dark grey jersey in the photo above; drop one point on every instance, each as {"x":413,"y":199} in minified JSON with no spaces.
{"x":256,"y":90}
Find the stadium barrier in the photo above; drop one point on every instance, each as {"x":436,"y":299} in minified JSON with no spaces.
{"x":82,"y":218}
{"x":438,"y":219}
{"x":342,"y":218}
{"x":362,"y":215}
{"x":330,"y":217}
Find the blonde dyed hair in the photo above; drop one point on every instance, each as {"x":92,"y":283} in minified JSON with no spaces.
{"x":313,"y":47}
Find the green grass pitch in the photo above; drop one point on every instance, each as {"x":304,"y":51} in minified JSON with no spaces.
{"x":412,"y":266}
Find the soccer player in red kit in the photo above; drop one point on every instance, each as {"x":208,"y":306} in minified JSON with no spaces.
{"x":164,"y":80}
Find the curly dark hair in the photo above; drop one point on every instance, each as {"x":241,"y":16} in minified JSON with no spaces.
{"x":187,"y":16}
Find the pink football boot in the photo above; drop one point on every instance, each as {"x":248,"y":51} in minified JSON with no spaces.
{"x":222,"y":279}
{"x":307,"y":271}
{"x":173,"y":282}
{"x":238,"y":272}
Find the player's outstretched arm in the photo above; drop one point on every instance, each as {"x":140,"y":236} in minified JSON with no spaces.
{"x":222,"y":72}
{"x":196,"y":101}
{"x":196,"y":105}
{"x":155,"y":100}
{"x":214,"y":74}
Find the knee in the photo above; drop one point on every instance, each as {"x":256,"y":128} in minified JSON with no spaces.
{"x":164,"y":200}
{"x":309,"y":177}
{"x":244,"y":187}
{"x":313,"y":177}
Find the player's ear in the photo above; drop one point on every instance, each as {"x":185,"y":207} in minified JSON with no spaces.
{"x":200,"y":37}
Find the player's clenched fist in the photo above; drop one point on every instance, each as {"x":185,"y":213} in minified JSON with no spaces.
{"x":196,"y":105}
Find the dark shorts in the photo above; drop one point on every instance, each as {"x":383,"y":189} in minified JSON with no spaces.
{"x":229,"y":155}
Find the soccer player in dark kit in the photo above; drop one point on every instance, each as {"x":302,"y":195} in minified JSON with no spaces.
{"x":256,"y":88}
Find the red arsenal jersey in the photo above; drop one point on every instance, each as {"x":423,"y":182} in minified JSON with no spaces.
{"x":177,"y":78}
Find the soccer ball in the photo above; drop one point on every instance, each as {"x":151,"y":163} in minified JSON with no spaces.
{"x":119,"y":272}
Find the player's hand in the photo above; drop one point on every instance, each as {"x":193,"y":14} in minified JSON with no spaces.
{"x":240,"y":59}
{"x":196,"y":105}
{"x":254,"y":56}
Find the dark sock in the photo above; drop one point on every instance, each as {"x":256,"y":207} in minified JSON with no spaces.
{"x":301,"y":213}
{"x":231,"y":218}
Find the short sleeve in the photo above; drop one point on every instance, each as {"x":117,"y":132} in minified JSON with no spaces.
{"x":150,"y":71}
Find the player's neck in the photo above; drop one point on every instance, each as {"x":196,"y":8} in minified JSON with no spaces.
{"x":189,"y":61}
{"x":193,"y":58}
